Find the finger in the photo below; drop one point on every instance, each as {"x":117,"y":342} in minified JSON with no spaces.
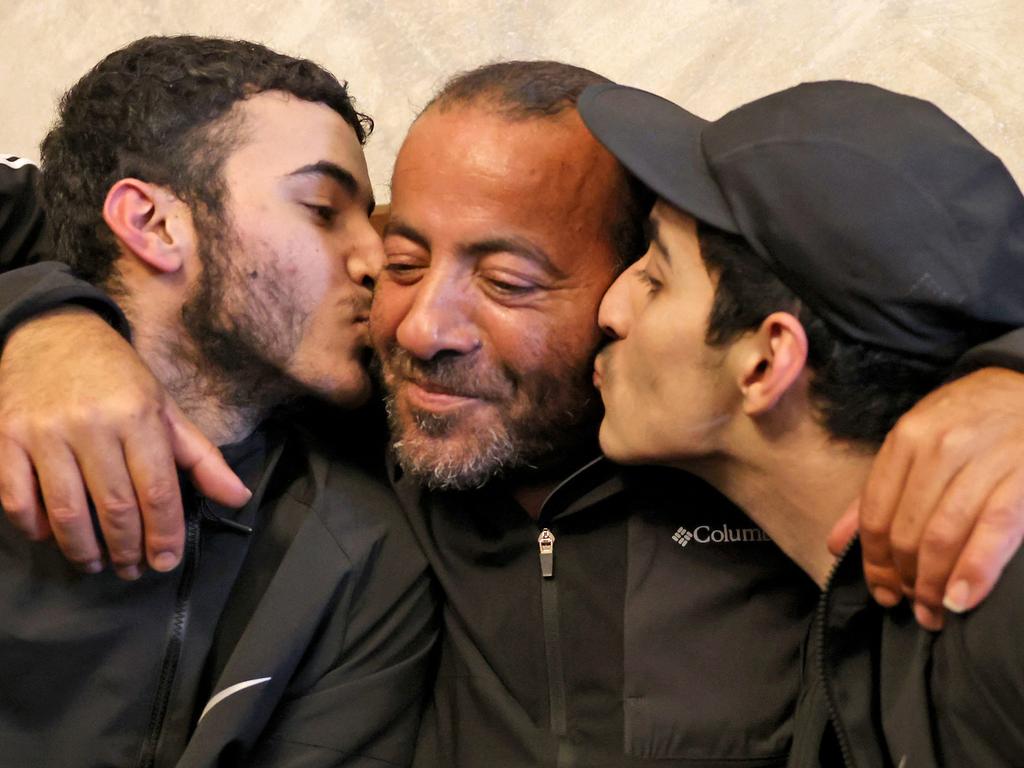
{"x":883,"y":582}
{"x":844,"y":530}
{"x":102,"y":462}
{"x":995,"y":538}
{"x":154,"y":475}
{"x":204,"y":463}
{"x":878,"y":503}
{"x":928,"y":617}
{"x":19,"y":492}
{"x":60,"y":482}
{"x":932,"y":474}
{"x":967,"y":499}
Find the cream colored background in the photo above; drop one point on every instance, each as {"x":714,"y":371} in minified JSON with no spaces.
{"x":709,"y":55}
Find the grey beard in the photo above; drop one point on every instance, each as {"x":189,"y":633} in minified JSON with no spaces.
{"x":494,"y":454}
{"x":560,"y":417}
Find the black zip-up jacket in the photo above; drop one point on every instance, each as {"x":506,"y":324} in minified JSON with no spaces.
{"x":879,"y":691}
{"x":641,"y":621}
{"x":305,"y":642}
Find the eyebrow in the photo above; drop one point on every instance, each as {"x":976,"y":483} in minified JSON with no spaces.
{"x":515,"y":245}
{"x":334,"y":171}
{"x":520,"y":247}
{"x":398,"y":227}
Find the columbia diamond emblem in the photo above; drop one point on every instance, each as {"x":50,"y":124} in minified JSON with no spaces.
{"x":682,"y":536}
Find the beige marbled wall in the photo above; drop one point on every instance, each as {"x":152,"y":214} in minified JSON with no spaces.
{"x":710,"y":55}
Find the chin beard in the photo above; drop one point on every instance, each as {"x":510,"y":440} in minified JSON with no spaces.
{"x":491,"y":453}
{"x":538,"y":447}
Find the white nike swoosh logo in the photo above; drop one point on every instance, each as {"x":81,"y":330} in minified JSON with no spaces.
{"x":14,"y":162}
{"x":230,"y":691}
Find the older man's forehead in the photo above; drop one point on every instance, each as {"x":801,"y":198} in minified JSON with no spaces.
{"x":487,"y":138}
{"x":552,"y":162}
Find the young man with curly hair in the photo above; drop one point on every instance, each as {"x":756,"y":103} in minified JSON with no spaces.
{"x":218,"y":192}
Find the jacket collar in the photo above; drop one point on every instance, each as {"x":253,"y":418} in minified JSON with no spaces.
{"x":592,"y":482}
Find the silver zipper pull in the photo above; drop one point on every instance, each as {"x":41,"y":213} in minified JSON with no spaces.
{"x":546,"y":543}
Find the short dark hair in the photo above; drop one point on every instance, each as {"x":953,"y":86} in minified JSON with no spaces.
{"x":518,"y":90}
{"x":859,"y":390}
{"x":529,"y":90}
{"x":156,"y":110}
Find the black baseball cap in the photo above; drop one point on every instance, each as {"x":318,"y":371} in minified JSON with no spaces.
{"x":879,"y":211}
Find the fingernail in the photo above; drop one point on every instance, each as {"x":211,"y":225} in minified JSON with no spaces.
{"x":164,"y":561}
{"x":885,"y":596}
{"x":926,"y":617}
{"x":93,"y":567}
{"x":129,"y":572}
{"x":957,"y":596}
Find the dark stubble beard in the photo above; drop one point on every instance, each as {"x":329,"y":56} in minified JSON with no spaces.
{"x":543,"y":420}
{"x":241,"y":325}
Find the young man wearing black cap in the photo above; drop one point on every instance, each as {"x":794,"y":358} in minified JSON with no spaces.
{"x":821,"y":259}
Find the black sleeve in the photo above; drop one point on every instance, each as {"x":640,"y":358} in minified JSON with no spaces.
{"x":1005,"y":352}
{"x":24,"y":236}
{"x":26,"y":291}
{"x":32,"y":290}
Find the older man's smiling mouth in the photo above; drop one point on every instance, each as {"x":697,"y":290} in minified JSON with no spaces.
{"x":429,"y":396}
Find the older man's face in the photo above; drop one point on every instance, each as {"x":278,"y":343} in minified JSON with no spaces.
{"x":497,"y":255}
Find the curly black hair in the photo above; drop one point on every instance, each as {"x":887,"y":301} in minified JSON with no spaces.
{"x":158,"y":110}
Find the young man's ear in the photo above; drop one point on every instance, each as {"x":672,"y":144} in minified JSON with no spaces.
{"x":770,"y":362}
{"x":151,"y":222}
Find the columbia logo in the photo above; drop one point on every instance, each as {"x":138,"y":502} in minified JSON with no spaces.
{"x":721,"y":534}
{"x":682,"y":536}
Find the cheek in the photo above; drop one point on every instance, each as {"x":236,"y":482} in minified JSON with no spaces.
{"x":551,"y":342}
{"x":390,"y":304}
{"x":645,"y":381}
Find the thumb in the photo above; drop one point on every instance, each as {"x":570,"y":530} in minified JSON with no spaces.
{"x":844,"y":529}
{"x":210,"y":474}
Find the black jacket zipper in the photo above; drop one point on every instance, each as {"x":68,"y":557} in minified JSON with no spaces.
{"x":830,"y":703}
{"x":175,"y":640}
{"x":552,"y":632}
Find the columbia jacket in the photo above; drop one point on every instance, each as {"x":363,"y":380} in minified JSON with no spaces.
{"x":643,"y":620}
{"x":880,"y":691}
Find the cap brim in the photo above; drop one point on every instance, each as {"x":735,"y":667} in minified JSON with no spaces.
{"x":660,"y":143}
